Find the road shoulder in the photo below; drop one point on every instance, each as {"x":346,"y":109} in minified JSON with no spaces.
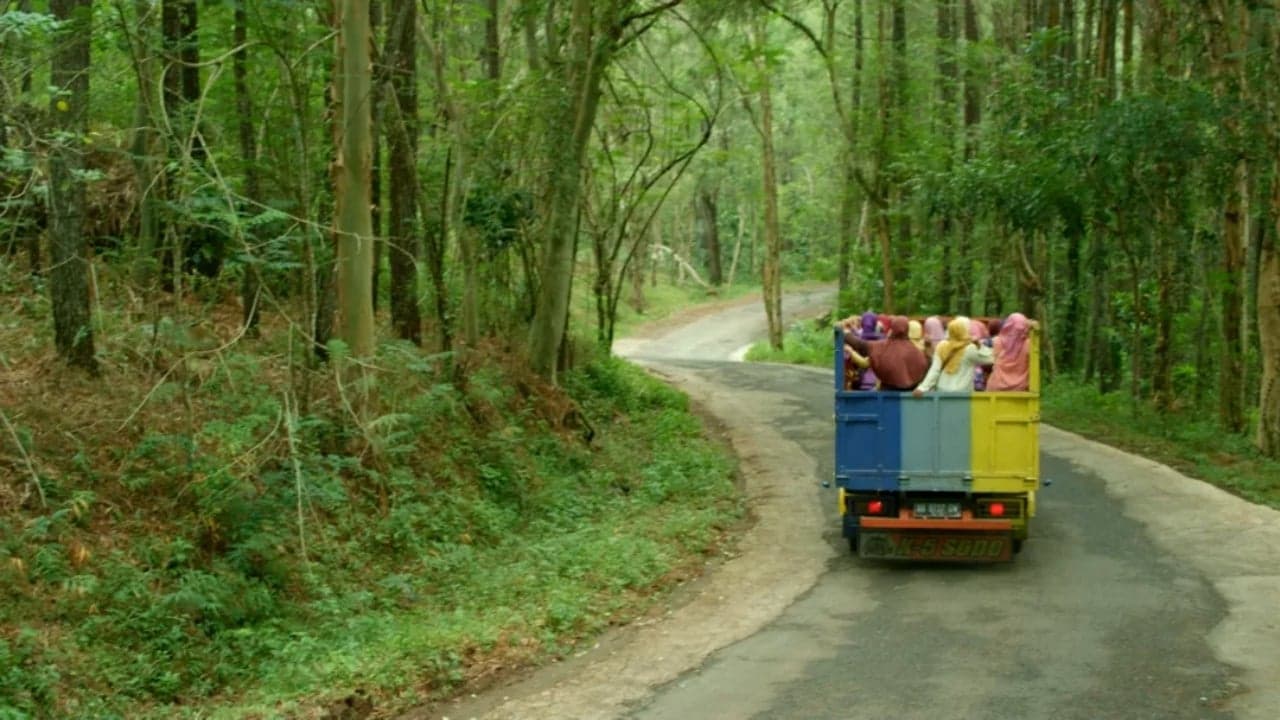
{"x":770,"y":571}
{"x":1233,"y":543}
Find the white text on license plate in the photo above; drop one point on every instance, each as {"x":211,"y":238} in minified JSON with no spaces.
{"x":937,"y":509}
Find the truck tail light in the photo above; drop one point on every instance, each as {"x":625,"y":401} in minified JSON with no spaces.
{"x":881,"y":506}
{"x":999,"y":508}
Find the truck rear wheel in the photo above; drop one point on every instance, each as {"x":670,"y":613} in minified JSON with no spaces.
{"x":1017,"y":546}
{"x":853,"y":544}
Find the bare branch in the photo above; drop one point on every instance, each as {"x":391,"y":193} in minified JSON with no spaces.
{"x":798,"y":24}
{"x":649,"y":12}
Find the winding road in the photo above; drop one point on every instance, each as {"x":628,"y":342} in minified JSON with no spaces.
{"x":1141,"y":593}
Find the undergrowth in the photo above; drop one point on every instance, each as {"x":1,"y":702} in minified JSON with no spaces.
{"x":198,"y":538}
{"x":1189,"y":441}
{"x":804,"y":343}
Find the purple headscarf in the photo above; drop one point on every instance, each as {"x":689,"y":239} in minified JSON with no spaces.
{"x":869,"y":331}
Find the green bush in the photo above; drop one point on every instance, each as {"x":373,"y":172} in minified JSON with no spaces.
{"x":378,"y":554}
{"x":1188,"y":440}
{"x":803,"y":344}
{"x":27,"y":678}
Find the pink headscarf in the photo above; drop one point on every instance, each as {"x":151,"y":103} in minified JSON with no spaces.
{"x":978,"y":330}
{"x":1012,"y":371}
{"x":933,"y":330}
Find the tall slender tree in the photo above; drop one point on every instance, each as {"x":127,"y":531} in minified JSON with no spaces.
{"x":1226,"y":23}
{"x":251,"y":283}
{"x":596,"y":30}
{"x":402,"y":142}
{"x":771,"y":268}
{"x":69,"y":272}
{"x":145,"y":137}
{"x":351,"y":175}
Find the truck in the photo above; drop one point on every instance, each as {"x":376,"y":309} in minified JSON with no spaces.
{"x":949,"y":477}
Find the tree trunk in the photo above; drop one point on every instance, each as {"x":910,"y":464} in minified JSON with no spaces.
{"x":351,"y":175}
{"x":69,"y":273}
{"x":1227,"y":33}
{"x":1231,"y":361}
{"x":180,"y":26}
{"x":1106,"y":64}
{"x":402,"y":142}
{"x":435,"y":241}
{"x":1163,"y":360}
{"x":972,"y":97}
{"x":1127,"y":45}
{"x":377,"y":102}
{"x":143,"y":146}
{"x":492,"y":49}
{"x":849,"y":197}
{"x":567,"y":141}
{"x":771,"y":277}
{"x":1269,"y":329}
{"x":1087,"y":38}
{"x":711,"y":235}
{"x":639,"y":265}
{"x":1069,"y":30}
{"x":1098,"y":344}
{"x":251,"y":284}
{"x":1070,"y":357}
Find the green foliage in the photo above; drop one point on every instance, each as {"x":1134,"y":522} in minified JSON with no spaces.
{"x":27,"y":677}
{"x":16,"y":24}
{"x":804,"y":343}
{"x":1187,"y":440}
{"x":377,"y":553}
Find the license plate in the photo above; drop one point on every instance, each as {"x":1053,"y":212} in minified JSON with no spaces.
{"x":937,"y":509}
{"x":965,"y":548}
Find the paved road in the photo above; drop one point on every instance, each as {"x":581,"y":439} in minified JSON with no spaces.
{"x":1141,"y":594}
{"x":1089,"y":622}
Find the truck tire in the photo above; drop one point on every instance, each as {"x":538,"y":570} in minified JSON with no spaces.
{"x":853,"y":544}
{"x":1017,"y":546}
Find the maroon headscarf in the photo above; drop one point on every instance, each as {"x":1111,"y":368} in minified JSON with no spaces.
{"x":897,"y":362}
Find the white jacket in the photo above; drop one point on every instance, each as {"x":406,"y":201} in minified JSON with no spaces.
{"x":962,"y":379}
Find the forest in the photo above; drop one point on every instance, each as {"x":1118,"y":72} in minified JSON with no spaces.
{"x":307,"y":304}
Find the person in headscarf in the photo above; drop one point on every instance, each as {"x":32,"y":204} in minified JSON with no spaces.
{"x":896,"y":361}
{"x":955,"y":359}
{"x":915,"y":333}
{"x":869,"y":330}
{"x":993,"y":327}
{"x":1013,"y":355}
{"x":858,"y":374}
{"x":934,"y":333}
{"x":978,"y":331}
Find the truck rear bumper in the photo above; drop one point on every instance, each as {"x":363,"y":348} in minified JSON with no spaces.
{"x":967,"y":540}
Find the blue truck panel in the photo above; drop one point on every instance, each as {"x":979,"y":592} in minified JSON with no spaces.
{"x":868,"y":440}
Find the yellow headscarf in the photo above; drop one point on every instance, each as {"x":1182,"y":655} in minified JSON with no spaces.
{"x":951,"y":351}
{"x":915,"y":333}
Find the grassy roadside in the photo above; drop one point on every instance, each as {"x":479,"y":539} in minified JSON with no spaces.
{"x":199,"y":544}
{"x":803,"y":344}
{"x":1189,"y":442}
